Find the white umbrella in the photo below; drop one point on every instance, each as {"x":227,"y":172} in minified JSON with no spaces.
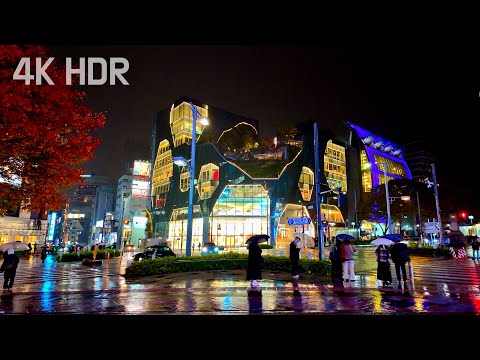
{"x":307,"y":240}
{"x":16,"y":246}
{"x":382,"y":241}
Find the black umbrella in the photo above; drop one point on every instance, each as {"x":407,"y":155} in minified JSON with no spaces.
{"x":256,"y":239}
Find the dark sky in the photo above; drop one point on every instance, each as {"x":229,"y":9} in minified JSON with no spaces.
{"x":404,"y":92}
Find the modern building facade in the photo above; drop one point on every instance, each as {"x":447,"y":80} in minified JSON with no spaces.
{"x":370,"y":157}
{"x":133,"y":191}
{"x":237,"y":195}
{"x":83,"y":206}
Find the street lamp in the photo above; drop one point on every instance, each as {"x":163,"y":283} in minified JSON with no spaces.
{"x":204,"y":122}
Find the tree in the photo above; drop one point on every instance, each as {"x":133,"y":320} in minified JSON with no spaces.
{"x":46,"y":134}
{"x":374,"y":203}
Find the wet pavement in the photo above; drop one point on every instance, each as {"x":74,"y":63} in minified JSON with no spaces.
{"x":440,"y":286}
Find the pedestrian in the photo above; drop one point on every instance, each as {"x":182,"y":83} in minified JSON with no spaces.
{"x":335,"y":258}
{"x":193,"y":247}
{"x":34,"y":248}
{"x":347,"y":250}
{"x":95,"y":250}
{"x":78,"y":251}
{"x":475,"y":248}
{"x":39,"y":224}
{"x":383,"y":265}
{"x":29,"y":249}
{"x":43,"y":255}
{"x":400,"y":257}
{"x":254,"y":266}
{"x":9,"y":266}
{"x":295,"y":247}
{"x":199,"y":246}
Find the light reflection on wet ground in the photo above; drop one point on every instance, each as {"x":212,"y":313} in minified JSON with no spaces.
{"x":65,"y":288}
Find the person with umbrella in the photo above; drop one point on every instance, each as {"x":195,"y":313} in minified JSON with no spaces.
{"x":9,"y":267}
{"x":400,"y":257}
{"x":295,"y":246}
{"x":255,"y":259}
{"x":336,"y":259}
{"x":383,"y":265}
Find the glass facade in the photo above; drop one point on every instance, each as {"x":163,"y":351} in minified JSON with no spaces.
{"x":240,"y":212}
{"x":162,"y":172}
{"x":335,"y":166}
{"x":181,"y":121}
{"x":366,"y":172}
{"x":306,"y":183}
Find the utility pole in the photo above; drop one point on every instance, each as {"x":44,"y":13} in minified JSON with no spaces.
{"x":388,"y":198}
{"x":435,"y":186}
{"x":318,"y":195}
{"x":419,"y":218}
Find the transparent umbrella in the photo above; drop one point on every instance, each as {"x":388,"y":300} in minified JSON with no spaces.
{"x":382,"y":241}
{"x":16,"y":246}
{"x":307,"y":240}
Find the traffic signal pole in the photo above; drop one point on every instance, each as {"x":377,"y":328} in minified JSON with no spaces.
{"x":318,"y":195}
{"x":435,"y":186}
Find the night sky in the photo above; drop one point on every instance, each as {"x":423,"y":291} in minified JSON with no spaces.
{"x":404,"y":92}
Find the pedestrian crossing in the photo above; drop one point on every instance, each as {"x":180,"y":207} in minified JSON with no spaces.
{"x":430,"y":271}
{"x":50,"y":271}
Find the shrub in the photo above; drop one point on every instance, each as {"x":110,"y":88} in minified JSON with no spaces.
{"x":101,"y":254}
{"x":266,"y":246}
{"x":231,"y":261}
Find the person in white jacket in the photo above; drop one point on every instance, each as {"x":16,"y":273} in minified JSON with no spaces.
{"x":347,"y":252}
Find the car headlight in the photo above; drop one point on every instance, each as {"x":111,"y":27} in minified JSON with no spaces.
{"x":216,"y":249}
{"x":204,"y":249}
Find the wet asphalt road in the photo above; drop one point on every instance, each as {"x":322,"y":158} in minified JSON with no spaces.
{"x":441,"y":286}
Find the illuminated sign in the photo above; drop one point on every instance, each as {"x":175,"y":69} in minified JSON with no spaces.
{"x":139,"y":221}
{"x":76,"y":216}
{"x":51,"y":227}
{"x":140,"y":188}
{"x":141,"y":169}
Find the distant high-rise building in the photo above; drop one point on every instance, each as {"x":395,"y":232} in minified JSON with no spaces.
{"x":83,"y":205}
{"x":419,"y":160}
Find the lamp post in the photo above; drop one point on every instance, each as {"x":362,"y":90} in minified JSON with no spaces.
{"x":188,"y":250}
{"x":387,"y":197}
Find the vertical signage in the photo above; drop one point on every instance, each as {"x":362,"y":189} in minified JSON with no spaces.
{"x":51,"y":227}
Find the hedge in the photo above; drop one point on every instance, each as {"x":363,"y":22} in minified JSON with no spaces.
{"x":101,"y":254}
{"x":429,"y":250}
{"x":231,"y":261}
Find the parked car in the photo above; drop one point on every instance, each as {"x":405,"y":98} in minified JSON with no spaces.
{"x":129,"y":248}
{"x":209,"y":248}
{"x":159,"y":250}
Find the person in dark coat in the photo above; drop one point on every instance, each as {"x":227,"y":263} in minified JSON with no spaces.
{"x":383,"y":265}
{"x":475,"y":248}
{"x":9,"y":267}
{"x":43,"y":255}
{"x":336,"y":259}
{"x":400,"y":257}
{"x":295,"y":256}
{"x":254,"y":266}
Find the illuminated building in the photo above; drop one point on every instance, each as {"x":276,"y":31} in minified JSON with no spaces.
{"x":366,"y":155}
{"x":238,"y":192}
{"x":84,"y":205}
{"x":335,"y":166}
{"x":131,"y":204}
